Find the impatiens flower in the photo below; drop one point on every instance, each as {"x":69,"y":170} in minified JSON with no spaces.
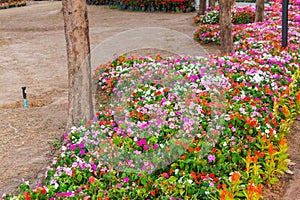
{"x":82,"y":152}
{"x":211,"y":158}
{"x":145,"y":147}
{"x":165,"y":174}
{"x":126,"y":179}
{"x":92,"y":179}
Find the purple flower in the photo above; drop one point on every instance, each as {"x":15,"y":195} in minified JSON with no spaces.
{"x":211,"y":158}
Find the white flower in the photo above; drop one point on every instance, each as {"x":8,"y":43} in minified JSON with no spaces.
{"x":190,"y":181}
{"x":176,"y":171}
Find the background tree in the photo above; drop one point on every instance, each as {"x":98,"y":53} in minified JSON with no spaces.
{"x":259,"y":10}
{"x":226,"y":26}
{"x":212,"y":3}
{"x":202,"y":7}
{"x":79,"y":67}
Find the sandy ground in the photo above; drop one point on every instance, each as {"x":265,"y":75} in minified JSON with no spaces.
{"x":33,"y":54}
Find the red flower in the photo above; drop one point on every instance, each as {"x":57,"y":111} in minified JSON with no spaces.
{"x":27,"y":196}
{"x":44,"y":191}
{"x":152,"y":193}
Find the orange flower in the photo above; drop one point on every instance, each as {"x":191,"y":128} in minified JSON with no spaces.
{"x":270,"y":149}
{"x":235,"y":177}
{"x":298,"y":97}
{"x":152,"y":193}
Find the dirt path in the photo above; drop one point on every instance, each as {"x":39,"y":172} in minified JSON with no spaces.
{"x":33,"y":54}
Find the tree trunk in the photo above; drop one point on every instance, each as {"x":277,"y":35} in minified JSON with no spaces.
{"x":202,"y":7}
{"x":226,"y":26}
{"x":79,"y":67}
{"x":259,"y":10}
{"x":212,"y":4}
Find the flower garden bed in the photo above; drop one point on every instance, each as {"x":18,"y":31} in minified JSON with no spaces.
{"x":12,"y":4}
{"x":148,"y":5}
{"x":240,"y":15}
{"x":254,"y":94}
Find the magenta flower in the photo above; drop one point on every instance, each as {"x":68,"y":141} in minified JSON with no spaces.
{"x":126,"y":179}
{"x":141,"y":142}
{"x":155,"y":146}
{"x":73,"y":147}
{"x":146,"y":147}
{"x":82,"y":152}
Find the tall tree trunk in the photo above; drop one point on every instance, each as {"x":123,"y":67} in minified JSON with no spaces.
{"x":226,"y":26}
{"x":212,"y":3}
{"x":259,"y":10}
{"x":202,"y":7}
{"x":78,"y":55}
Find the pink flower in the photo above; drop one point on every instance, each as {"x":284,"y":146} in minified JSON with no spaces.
{"x":146,"y":147}
{"x":297,"y":18}
{"x":211,"y":158}
{"x":82,"y":152}
{"x":141,"y":142}
{"x":155,"y":146}
{"x":126,"y":179}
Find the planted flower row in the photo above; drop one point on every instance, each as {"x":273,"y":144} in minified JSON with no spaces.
{"x":148,"y":5}
{"x":184,"y":127}
{"x":12,"y":4}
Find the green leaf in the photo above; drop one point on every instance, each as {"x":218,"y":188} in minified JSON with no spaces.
{"x":79,"y":177}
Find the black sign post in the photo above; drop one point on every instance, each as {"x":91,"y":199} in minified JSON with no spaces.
{"x":285,"y":5}
{"x":24,"y":97}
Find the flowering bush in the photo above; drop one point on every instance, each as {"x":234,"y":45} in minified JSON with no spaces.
{"x":240,"y":15}
{"x":148,"y":5}
{"x":242,"y":106}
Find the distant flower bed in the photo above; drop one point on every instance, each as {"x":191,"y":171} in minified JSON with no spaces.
{"x":207,"y":33}
{"x":12,"y":4}
{"x":240,"y":15}
{"x":148,"y":5}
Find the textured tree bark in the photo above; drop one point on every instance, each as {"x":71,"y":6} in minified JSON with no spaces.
{"x":212,"y":3}
{"x":226,"y":26}
{"x":202,"y":7}
{"x":259,"y":10}
{"x":76,"y":24}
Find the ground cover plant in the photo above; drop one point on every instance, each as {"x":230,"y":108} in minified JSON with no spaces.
{"x":228,"y":129}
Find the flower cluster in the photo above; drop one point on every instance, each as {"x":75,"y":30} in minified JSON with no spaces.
{"x":186,"y":127}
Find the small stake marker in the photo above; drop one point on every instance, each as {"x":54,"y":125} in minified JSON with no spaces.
{"x":24,"y":97}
